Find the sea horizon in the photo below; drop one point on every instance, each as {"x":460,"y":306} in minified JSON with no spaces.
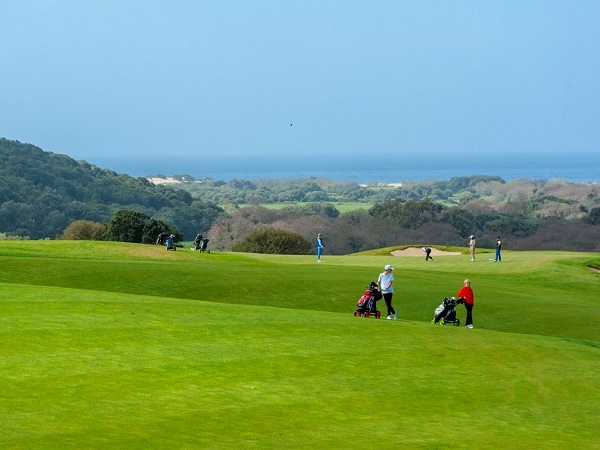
{"x":220,"y":169}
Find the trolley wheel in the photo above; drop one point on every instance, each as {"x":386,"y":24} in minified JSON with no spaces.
{"x":368,"y":313}
{"x":378,"y":315}
{"x":356,"y":313}
{"x":457,"y":322}
{"x":442,"y":321}
{"x":433,"y":321}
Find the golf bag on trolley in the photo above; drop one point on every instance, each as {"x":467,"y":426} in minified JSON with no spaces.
{"x":445,"y":313}
{"x":367,"y":303}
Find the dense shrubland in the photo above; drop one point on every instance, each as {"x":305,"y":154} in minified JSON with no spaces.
{"x":527,"y":214}
{"x":413,"y":222}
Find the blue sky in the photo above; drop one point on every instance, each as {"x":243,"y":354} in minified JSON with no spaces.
{"x":393,"y":81}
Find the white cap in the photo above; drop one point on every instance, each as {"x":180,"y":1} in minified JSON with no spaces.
{"x":388,"y":267}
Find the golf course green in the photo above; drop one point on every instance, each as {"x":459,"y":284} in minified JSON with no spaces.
{"x":112,"y":345}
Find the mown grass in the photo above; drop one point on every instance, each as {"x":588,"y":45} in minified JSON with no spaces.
{"x":108,"y":345}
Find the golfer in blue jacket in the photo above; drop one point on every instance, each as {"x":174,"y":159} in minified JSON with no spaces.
{"x":319,"y":247}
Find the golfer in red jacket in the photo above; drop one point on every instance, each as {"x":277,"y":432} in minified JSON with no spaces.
{"x":466,"y":294}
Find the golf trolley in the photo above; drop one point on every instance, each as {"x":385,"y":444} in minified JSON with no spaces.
{"x":445,"y":313}
{"x":367,"y":303}
{"x":200,"y":244}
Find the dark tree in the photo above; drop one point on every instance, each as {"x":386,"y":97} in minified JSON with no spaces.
{"x":126,"y":226}
{"x":137,"y":227}
{"x":594,"y":216}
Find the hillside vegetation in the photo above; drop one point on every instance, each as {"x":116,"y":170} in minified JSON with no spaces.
{"x":118,"y":345}
{"x":45,"y":195}
{"x":41,"y":193}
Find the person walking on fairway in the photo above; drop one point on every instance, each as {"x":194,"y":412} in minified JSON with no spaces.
{"x":472,"y":247}
{"x":466,"y":294}
{"x":384,"y":282}
{"x":319,"y":247}
{"x":498,"y":249}
{"x":428,"y":256}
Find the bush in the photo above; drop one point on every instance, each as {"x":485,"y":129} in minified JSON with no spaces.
{"x":83,"y":230}
{"x":274,"y":241}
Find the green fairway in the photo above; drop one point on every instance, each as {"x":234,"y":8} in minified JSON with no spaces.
{"x":342,"y":207}
{"x":109,"y":345}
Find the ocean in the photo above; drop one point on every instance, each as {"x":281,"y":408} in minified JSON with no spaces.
{"x":343,"y":169}
{"x":369,"y":175}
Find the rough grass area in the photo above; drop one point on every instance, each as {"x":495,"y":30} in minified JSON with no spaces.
{"x":107,"y":345}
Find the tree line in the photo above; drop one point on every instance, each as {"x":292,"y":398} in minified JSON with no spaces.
{"x":320,"y":190}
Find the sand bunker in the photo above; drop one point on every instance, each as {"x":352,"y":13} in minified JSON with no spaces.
{"x":418,"y":251}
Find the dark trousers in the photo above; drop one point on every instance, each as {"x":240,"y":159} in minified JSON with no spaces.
{"x":469,"y":309}
{"x":388,"y":303}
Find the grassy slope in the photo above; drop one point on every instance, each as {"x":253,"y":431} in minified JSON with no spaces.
{"x":342,"y":207}
{"x":109,"y":345}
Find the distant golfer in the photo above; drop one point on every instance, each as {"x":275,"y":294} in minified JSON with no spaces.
{"x":472,"y":247}
{"x":198,"y":241}
{"x":428,"y":256}
{"x":319,"y":247}
{"x":498,"y":249}
{"x":160,"y":240}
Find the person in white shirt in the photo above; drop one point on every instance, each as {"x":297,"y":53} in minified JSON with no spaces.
{"x":385,"y":284}
{"x":472,"y":247}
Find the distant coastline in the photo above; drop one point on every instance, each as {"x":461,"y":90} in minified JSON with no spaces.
{"x":201,"y":168}
{"x":390,"y":177}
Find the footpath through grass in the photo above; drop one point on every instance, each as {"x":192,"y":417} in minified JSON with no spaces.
{"x":107,"y":345}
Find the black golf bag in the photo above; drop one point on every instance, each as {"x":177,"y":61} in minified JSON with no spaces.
{"x":445,"y":313}
{"x":204,"y":244}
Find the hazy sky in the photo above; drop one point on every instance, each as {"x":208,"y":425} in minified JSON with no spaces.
{"x":376,"y":79}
